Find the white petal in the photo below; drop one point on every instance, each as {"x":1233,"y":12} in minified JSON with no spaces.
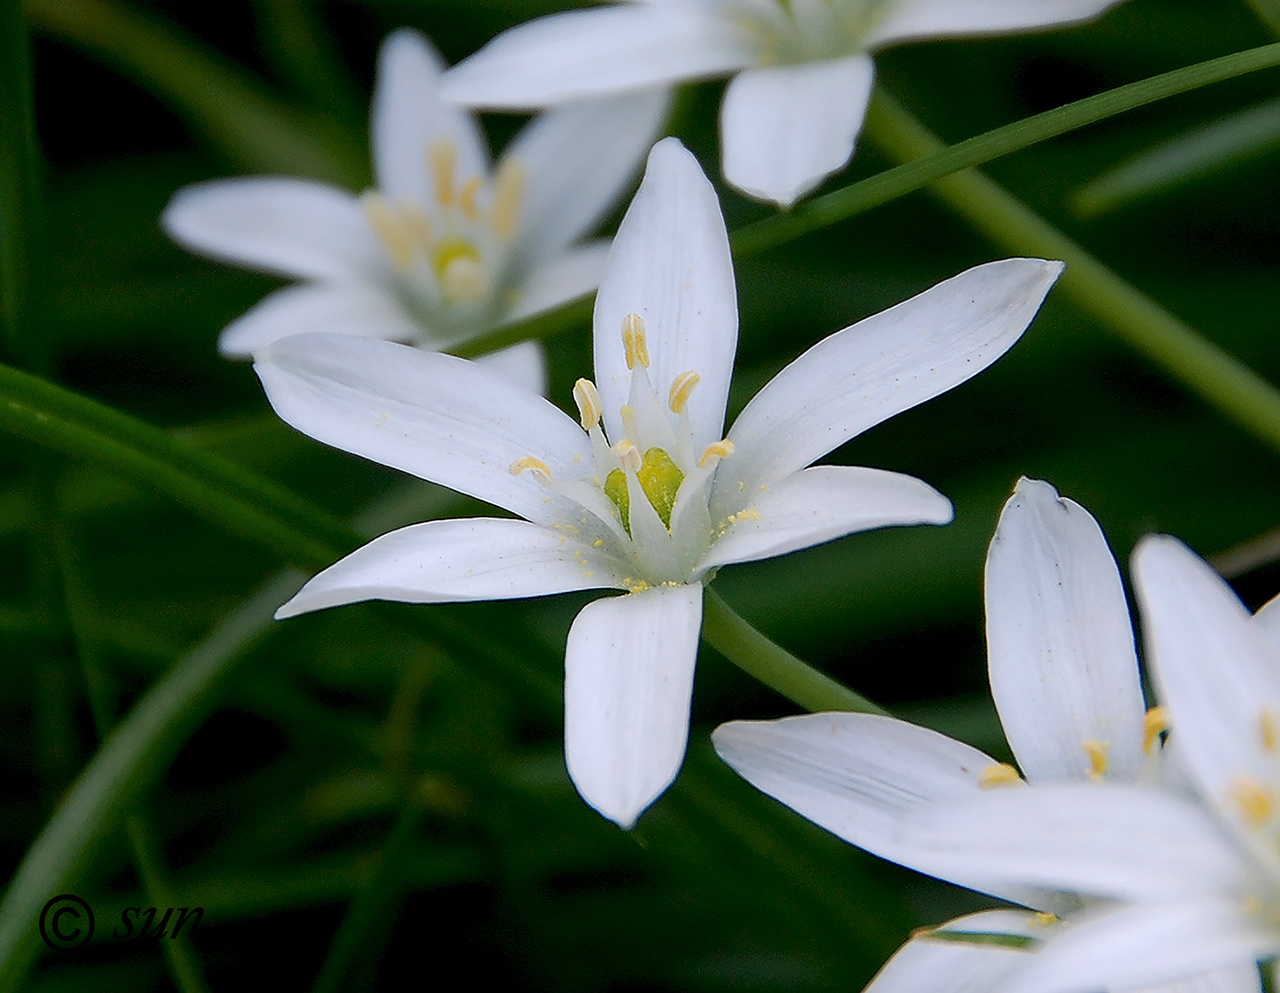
{"x":1146,"y":945}
{"x":475,"y":558}
{"x":362,"y":309}
{"x":597,"y":52}
{"x":784,"y":129}
{"x":439,"y":417}
{"x":886,"y":364}
{"x":628,"y":680}
{"x":1218,"y":673}
{"x":1241,"y":978}
{"x":579,"y":160}
{"x":670,"y":264}
{"x":908,"y":19}
{"x":558,"y":279}
{"x":1115,"y":841}
{"x":1060,"y":644}
{"x":822,"y":503}
{"x":525,"y":364}
{"x":940,"y":965}
{"x":1267,"y":618}
{"x":294,"y":227}
{"x":408,"y":117}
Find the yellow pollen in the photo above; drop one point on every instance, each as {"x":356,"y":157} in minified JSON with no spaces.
{"x":1097,"y":752}
{"x":442,"y":156}
{"x":1255,"y":801}
{"x":1042,"y":919}
{"x":716,"y":450}
{"x":629,"y":455}
{"x":1267,"y":729}
{"x":530,"y":464}
{"x":1154,"y":724}
{"x":508,"y":192}
{"x":587,"y":398}
{"x":387,"y":226}
{"x":467,"y":198}
{"x":997,"y":775}
{"x":681,"y":389}
{"x":633,"y":342}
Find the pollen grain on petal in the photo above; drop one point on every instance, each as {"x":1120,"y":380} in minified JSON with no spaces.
{"x":1268,"y":730}
{"x":682,"y":388}
{"x":997,"y":775}
{"x":1097,"y":752}
{"x":1154,"y":724}
{"x":530,"y":464}
{"x":1254,"y":800}
{"x":633,"y":341}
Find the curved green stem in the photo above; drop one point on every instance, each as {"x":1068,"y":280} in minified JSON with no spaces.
{"x":753,"y":653}
{"x":1218,"y":378}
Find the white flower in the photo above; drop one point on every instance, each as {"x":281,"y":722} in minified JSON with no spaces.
{"x":444,"y":249}
{"x":1101,"y":821}
{"x":802,"y":68}
{"x":643,"y":492}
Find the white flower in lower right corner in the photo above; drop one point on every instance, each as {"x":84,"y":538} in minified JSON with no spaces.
{"x":1135,"y":883}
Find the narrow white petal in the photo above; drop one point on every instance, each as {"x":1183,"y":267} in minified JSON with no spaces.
{"x":670,"y":264}
{"x":628,"y":680}
{"x":474,"y":558}
{"x":560,"y":278}
{"x":579,"y":160}
{"x":1117,"y":841}
{"x":819,"y":504}
{"x":1063,"y":666}
{"x":1268,"y":619}
{"x":1240,"y":978}
{"x":408,"y":117}
{"x":1150,"y":945}
{"x":908,"y":19}
{"x":935,"y":963}
{"x":597,"y":52}
{"x":363,"y":309}
{"x":525,"y":364}
{"x":886,"y":364}
{"x":784,"y":129}
{"x":294,"y":227}
{"x":439,"y":417}
{"x":1218,"y":673}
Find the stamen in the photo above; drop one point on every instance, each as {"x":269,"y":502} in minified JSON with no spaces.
{"x":416,"y":225}
{"x":467,"y":198}
{"x":682,"y":388}
{"x":997,"y":775}
{"x":629,"y":455}
{"x":1154,"y":724}
{"x":387,"y":226}
{"x":1256,"y":802}
{"x":508,"y":191}
{"x":716,"y":450}
{"x":1097,"y":752}
{"x":529,"y":464}
{"x":443,"y":157}
{"x":1043,"y":919}
{"x":633,"y":341}
{"x":1268,"y":730}
{"x":587,"y":398}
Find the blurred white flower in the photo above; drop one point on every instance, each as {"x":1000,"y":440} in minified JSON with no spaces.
{"x":445,"y":248}
{"x":802,"y":69}
{"x":643,"y":492}
{"x":1101,"y":840}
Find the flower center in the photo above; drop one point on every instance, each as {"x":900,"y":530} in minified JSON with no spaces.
{"x":660,"y":479}
{"x":790,"y":32}
{"x":449,"y":254}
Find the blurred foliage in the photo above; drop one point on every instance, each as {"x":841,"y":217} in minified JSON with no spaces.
{"x":377,"y":792}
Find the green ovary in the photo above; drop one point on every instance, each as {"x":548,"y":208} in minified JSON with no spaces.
{"x":660,"y":478}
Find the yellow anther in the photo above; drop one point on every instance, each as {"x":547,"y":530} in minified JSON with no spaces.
{"x":508,"y":192}
{"x":1097,"y":752}
{"x":387,"y":226}
{"x":716,"y":450}
{"x":467,"y":198}
{"x":1267,"y":729}
{"x":1255,"y":801}
{"x":529,"y":464}
{"x":1154,"y":724}
{"x":682,"y":388}
{"x":587,"y":398}
{"x":637,"y":351}
{"x":442,"y":156}
{"x":1042,"y":919}
{"x":629,"y":455}
{"x":997,"y":775}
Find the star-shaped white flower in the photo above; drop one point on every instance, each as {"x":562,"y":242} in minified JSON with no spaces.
{"x":1101,"y":819}
{"x":642,"y":492}
{"x":802,"y":69}
{"x":446,"y":248}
